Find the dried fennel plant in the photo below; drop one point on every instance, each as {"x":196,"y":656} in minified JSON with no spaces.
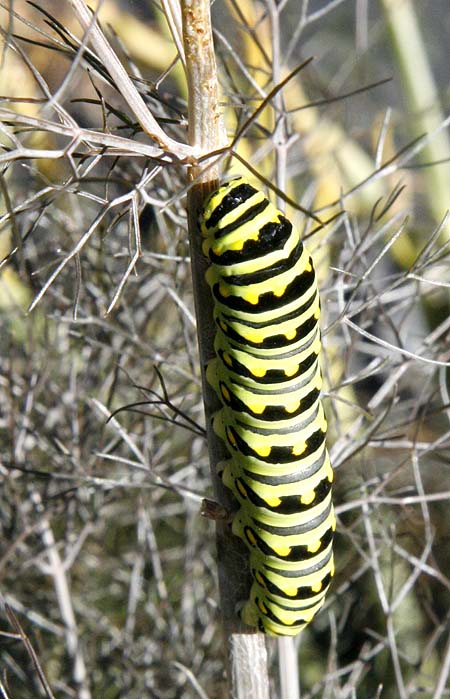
{"x":83,"y":150}
{"x":108,"y":574}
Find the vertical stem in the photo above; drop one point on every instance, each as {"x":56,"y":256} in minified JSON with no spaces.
{"x":63,"y":594}
{"x":205,"y":129}
{"x":289,"y":670}
{"x":444,"y":673}
{"x":280,"y":132}
{"x":246,"y":654}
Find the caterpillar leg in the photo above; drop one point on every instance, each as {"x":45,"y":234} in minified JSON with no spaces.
{"x":211,"y":509}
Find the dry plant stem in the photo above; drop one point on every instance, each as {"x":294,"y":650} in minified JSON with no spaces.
{"x":117,"y":144}
{"x":247,"y":655}
{"x":125,"y":84}
{"x":57,"y":570}
{"x":5,"y":694}
{"x":441,"y":681}
{"x":280,"y":133}
{"x":205,"y":126}
{"x":172,"y":11}
{"x":35,"y":664}
{"x":289,"y":669}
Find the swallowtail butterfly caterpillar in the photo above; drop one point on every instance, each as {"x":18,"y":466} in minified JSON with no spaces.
{"x":266,"y":373}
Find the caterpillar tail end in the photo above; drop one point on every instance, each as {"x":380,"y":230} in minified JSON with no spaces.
{"x":251,"y":616}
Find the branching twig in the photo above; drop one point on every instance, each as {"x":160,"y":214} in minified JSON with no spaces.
{"x":124,"y":83}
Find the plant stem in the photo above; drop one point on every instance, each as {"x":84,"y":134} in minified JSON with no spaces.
{"x":247,"y":657}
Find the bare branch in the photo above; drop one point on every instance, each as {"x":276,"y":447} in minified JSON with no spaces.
{"x":127,"y":89}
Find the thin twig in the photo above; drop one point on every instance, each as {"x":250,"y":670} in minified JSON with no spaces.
{"x":173,"y":15}
{"x":30,"y":650}
{"x":57,"y":570}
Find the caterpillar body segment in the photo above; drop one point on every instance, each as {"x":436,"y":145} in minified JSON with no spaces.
{"x":286,"y":472}
{"x":294,"y":502}
{"x":287,"y":578}
{"x":267,"y":376}
{"x":252,"y":368}
{"x":275,"y":619}
{"x":283,"y":446}
{"x":294,"y":271}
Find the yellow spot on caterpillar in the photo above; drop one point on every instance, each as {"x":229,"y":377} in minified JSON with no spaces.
{"x":298,"y":449}
{"x":308,"y":616}
{"x":317,"y":587}
{"x":307,"y":498}
{"x":255,"y":336}
{"x":259,"y":579}
{"x":313,"y":548}
{"x":250,"y":536}
{"x":241,"y":488}
{"x":262,"y":450}
{"x":227,"y":359}
{"x":251,"y":297}
{"x":290,"y":591}
{"x":281,"y":550}
{"x":262,"y":607}
{"x":291,"y":334}
{"x":231,"y":438}
{"x":223,"y":325}
{"x":324,"y":425}
{"x":292,"y":407}
{"x":290,"y":371}
{"x":332,"y":569}
{"x":225,"y":393}
{"x":279,"y":289}
{"x":317,"y":313}
{"x":256,"y":408}
{"x":258,"y":371}
{"x":330,"y":474}
{"x":237,"y":245}
{"x":224,"y":290}
{"x":273,"y":502}
{"x":308,"y":267}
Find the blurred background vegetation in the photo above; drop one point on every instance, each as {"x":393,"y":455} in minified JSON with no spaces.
{"x":107,"y":570}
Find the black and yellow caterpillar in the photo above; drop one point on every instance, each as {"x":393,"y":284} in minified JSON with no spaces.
{"x":267,"y":376}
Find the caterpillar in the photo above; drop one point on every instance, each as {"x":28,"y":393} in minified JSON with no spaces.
{"x":267,"y":376}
